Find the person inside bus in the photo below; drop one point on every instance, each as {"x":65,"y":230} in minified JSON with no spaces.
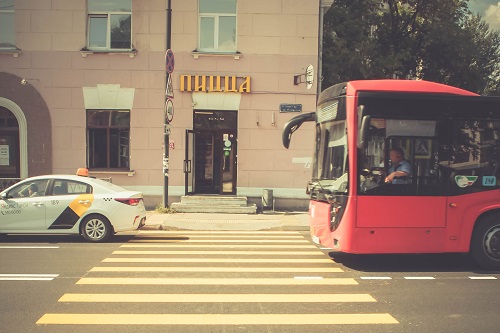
{"x":400,"y":169}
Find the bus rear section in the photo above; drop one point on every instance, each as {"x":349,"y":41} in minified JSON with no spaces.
{"x":448,"y":197}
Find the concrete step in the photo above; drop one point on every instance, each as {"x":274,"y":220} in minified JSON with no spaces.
{"x":214,"y":204}
{"x":213,"y":200}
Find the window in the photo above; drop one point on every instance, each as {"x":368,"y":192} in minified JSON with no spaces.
{"x":65,"y":187}
{"x":34,"y":188}
{"x":109,"y":25}
{"x":7,"y":32}
{"x":217,"y":26}
{"x":108,"y":133}
{"x":473,"y":157}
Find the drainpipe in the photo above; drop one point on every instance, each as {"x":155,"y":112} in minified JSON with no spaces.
{"x":324,"y":5}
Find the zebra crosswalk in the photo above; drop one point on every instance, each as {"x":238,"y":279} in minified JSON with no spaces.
{"x":222,"y":279}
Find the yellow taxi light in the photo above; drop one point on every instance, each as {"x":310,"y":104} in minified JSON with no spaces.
{"x":84,"y":172}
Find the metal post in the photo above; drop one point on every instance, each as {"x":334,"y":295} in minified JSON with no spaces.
{"x":166,"y":122}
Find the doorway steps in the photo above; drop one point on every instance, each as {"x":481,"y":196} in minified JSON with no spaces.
{"x":214,"y":204}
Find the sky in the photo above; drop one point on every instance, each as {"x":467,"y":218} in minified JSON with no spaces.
{"x":490,"y":9}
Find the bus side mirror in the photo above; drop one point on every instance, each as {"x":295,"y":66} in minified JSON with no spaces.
{"x":363,"y":132}
{"x":293,"y":124}
{"x":361,"y":114}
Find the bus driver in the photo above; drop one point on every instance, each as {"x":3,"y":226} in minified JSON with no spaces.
{"x":399,"y":168}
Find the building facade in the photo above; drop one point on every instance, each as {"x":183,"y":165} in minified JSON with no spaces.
{"x":83,"y":84}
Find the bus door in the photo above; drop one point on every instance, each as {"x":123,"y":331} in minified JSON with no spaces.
{"x":409,"y":213}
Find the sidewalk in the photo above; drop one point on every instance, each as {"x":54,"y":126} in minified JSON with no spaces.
{"x":211,"y":222}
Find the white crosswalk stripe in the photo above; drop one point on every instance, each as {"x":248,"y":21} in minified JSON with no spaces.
{"x":233,"y":268}
{"x":28,"y":277}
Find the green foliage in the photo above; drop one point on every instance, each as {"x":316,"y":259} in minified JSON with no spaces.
{"x":164,"y":210}
{"x":438,"y":41}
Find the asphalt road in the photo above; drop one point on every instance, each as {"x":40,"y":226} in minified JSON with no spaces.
{"x":237,"y":281}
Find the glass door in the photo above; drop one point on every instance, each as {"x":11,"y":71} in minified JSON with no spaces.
{"x":188,"y":163}
{"x":228,"y":164}
{"x":206,"y":163}
{"x":214,"y":152}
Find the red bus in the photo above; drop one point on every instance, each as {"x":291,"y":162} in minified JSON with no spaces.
{"x":449,"y":198}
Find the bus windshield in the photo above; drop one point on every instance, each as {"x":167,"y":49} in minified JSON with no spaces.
{"x":329,"y":169}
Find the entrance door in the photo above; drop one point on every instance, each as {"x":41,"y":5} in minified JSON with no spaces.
{"x":188,"y":163}
{"x":211,"y":151}
{"x":228,"y":164}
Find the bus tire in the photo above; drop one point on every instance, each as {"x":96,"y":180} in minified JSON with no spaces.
{"x":96,"y":228}
{"x":485,"y":242}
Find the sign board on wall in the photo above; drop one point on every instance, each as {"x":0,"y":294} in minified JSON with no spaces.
{"x":215,"y":83}
{"x":4,"y":154}
{"x":290,"y":107}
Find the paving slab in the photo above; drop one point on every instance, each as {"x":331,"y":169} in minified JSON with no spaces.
{"x":218,"y":221}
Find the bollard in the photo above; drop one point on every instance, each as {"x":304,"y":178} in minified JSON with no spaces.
{"x":267,"y":199}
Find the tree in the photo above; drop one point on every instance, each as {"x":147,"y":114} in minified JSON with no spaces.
{"x":434,"y":40}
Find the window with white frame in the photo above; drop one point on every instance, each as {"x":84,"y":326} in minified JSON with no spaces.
{"x":217,"y":26}
{"x":109,"y":25}
{"x":7,"y":31}
{"x":108,"y":137}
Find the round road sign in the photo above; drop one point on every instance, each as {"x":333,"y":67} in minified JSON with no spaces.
{"x":169,"y":110}
{"x":169,"y":61}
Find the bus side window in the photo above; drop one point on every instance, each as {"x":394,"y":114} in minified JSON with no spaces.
{"x":474,"y":156}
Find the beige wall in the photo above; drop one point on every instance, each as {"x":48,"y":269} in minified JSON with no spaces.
{"x":277,"y":40}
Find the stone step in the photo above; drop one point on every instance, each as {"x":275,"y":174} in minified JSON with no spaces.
{"x":213,"y":200}
{"x":214,"y":204}
{"x":228,"y":209}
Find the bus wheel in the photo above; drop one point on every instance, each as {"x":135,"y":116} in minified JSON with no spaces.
{"x":96,"y":228}
{"x":485,"y":243}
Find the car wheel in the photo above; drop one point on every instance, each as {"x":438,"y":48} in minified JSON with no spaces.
{"x":485,"y":243}
{"x":96,"y":228}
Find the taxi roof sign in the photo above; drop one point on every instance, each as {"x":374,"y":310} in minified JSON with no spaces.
{"x":84,"y":172}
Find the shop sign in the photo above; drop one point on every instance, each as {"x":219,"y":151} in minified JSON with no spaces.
{"x":215,"y":83}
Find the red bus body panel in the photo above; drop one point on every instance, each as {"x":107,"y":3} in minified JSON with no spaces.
{"x":398,"y":224}
{"x":461,"y":212}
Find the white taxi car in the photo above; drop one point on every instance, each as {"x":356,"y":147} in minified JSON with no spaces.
{"x":70,"y":204}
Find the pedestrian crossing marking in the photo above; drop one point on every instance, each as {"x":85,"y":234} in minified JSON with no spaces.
{"x":228,"y":232}
{"x":173,"y":240}
{"x":224,"y":252}
{"x":210,"y":237}
{"x":28,"y":277}
{"x":220,"y":260}
{"x":216,"y":281}
{"x":264,"y":245}
{"x":216,"y":319}
{"x":219,"y":269}
{"x":218,"y":246}
{"x":217,"y":298}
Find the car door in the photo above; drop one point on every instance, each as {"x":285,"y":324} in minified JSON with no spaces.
{"x":21,"y":212}
{"x":69,"y":201}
